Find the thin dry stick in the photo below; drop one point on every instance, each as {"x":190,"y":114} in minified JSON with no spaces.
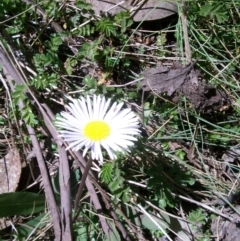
{"x":82,"y":183}
{"x":64,"y":172}
{"x":65,"y":185}
{"x":65,"y":191}
{"x":185,"y":35}
{"x":93,"y":193}
{"x":10,"y":69}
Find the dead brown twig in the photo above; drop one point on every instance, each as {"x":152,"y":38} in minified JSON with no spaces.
{"x":11,"y":71}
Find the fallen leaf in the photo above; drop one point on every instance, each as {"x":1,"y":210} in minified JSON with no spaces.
{"x":184,"y":81}
{"x":10,"y":171}
{"x":161,"y":79}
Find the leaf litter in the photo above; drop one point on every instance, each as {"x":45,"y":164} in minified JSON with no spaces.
{"x":181,"y":81}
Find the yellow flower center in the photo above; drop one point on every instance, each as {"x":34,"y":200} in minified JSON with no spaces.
{"x":97,"y":130}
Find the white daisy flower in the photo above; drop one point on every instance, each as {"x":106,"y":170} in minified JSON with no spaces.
{"x":94,"y":124}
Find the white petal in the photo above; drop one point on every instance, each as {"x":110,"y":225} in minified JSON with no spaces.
{"x":104,"y":107}
{"x":113,"y":111}
{"x":85,"y":151}
{"x":96,"y":107}
{"x":78,"y":112}
{"x":124,"y":126}
{"x":109,"y":151}
{"x":89,"y":106}
{"x":82,"y":104}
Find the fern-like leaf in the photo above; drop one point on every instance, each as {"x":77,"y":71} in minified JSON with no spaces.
{"x":107,"y":173}
{"x":86,"y":30}
{"x":107,"y":27}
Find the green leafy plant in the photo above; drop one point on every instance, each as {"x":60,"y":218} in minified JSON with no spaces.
{"x":86,"y":30}
{"x":32,"y":227}
{"x":21,"y":203}
{"x":26,"y":113}
{"x":197,"y":216}
{"x":44,"y":81}
{"x":107,"y":172}
{"x":106,"y":27}
{"x":214,"y":11}
{"x":113,"y":176}
{"x":198,"y":221}
{"x":50,"y":59}
{"x":90,"y":50}
{"x":84,"y":6}
{"x":124,"y":20}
